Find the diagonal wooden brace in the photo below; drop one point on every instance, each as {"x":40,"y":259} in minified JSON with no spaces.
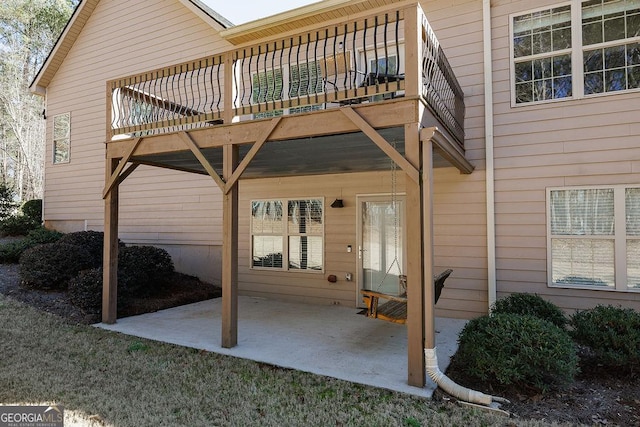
{"x":115,"y":176}
{"x":251,"y":154}
{"x":189,"y":142}
{"x":382,"y":143}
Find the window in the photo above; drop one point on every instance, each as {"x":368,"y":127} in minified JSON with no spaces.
{"x":61,"y":138}
{"x":607,"y":49}
{"x":302,"y":80}
{"x":287,"y":233}
{"x":594,"y":238}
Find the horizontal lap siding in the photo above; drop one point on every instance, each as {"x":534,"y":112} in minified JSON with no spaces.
{"x":593,"y":141}
{"x":460,"y":225}
{"x":156,"y":205}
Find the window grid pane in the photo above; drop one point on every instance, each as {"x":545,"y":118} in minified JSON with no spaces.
{"x":305,"y":216}
{"x":305,"y":253}
{"x":588,"y":212}
{"x":583,"y":262}
{"x":632,"y":211}
{"x":267,"y":251}
{"x":633,"y":264}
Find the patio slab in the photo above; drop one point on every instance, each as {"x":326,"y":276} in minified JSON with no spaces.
{"x":326,"y":340}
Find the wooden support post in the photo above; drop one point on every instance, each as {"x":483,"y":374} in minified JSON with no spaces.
{"x":427,"y":244}
{"x":230,"y":252}
{"x":110,"y":253}
{"x":415,"y":279}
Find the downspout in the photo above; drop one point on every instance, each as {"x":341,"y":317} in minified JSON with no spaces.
{"x":489,"y":170}
{"x":430,"y":354}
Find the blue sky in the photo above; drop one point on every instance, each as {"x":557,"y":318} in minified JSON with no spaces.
{"x":241,"y":11}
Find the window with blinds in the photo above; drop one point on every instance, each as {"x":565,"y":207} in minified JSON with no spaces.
{"x":594,"y":237}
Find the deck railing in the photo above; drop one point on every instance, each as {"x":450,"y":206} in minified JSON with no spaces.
{"x":359,"y":61}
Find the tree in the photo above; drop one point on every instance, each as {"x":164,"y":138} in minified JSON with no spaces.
{"x":28,"y":31}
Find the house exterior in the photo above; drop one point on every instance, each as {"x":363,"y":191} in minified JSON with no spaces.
{"x":529,"y":182}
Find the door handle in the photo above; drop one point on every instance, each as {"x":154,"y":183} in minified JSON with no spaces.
{"x":361,"y":251}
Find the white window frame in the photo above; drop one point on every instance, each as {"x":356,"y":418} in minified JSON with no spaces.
{"x":619,"y":237}
{"x":56,"y":140}
{"x":286,"y":235}
{"x":577,"y":56}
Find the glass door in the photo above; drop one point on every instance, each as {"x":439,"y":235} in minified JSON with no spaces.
{"x":381,"y":244}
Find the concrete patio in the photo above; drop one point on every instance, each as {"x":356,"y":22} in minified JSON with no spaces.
{"x":325,"y":340}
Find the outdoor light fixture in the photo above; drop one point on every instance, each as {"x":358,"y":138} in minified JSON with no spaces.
{"x":337,"y":203}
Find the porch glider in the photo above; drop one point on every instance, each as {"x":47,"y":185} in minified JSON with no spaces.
{"x":395,"y":309}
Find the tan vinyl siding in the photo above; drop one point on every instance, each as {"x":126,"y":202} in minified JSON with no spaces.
{"x":157,"y":206}
{"x":590,"y":141}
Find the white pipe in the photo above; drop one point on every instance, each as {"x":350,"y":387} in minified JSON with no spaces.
{"x":450,"y":387}
{"x":489,"y":170}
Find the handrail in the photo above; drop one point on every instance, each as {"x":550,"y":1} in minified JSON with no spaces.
{"x":358,"y":61}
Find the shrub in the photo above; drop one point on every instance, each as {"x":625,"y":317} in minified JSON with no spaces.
{"x":92,"y":241}
{"x":142,"y":270}
{"x":519,"y":350}
{"x":17,"y":225}
{"x":32,"y":209}
{"x":85,"y":290}
{"x":52,"y":265}
{"x":613,"y":333}
{"x":533,"y":305}
{"x":42,"y":235}
{"x":10,"y":252}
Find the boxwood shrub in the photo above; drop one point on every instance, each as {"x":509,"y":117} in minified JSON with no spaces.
{"x":142,"y":270}
{"x":517,"y":350}
{"x":85,"y":290}
{"x":52,"y":265}
{"x":91,"y":241}
{"x":613,"y":333}
{"x":533,"y":305}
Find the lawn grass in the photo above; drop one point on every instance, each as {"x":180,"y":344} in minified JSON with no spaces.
{"x":104,"y":378}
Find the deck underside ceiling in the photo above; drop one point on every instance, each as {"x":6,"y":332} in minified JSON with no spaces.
{"x":345,"y":153}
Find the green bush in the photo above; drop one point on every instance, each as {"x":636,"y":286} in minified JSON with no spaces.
{"x":519,"y":350}
{"x":17,"y":225}
{"x":531,"y":304}
{"x":91,"y":241}
{"x":10,"y":252}
{"x":613,"y":333}
{"x":32,"y":209}
{"x":142,"y":270}
{"x":85,"y":290}
{"x":52,"y":265}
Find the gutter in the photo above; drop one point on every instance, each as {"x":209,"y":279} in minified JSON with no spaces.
{"x":489,"y":169}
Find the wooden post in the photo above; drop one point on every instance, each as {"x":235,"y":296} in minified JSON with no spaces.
{"x":427,"y":244}
{"x":227,"y":114}
{"x":230,"y":252}
{"x":413,"y":50}
{"x":415,"y":279}
{"x":110,"y":251}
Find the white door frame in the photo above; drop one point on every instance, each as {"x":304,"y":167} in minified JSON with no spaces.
{"x":360,"y":199}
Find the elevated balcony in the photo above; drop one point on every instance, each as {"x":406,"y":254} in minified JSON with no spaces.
{"x":388,"y":66}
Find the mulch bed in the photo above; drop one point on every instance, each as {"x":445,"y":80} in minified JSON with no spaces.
{"x":180,"y":290}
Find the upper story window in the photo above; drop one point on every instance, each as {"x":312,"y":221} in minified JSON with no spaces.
{"x":559,"y":54}
{"x":61,"y":138}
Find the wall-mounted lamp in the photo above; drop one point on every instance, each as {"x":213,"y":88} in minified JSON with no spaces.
{"x":337,"y":203}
